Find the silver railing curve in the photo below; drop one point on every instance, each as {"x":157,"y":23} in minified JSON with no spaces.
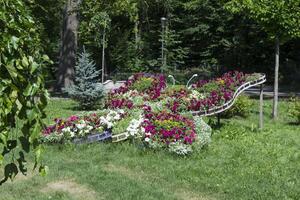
{"x":190,"y":86}
{"x":228,"y":104}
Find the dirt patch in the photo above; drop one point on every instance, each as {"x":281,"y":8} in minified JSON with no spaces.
{"x":76,"y":190}
{"x":189,"y":195}
{"x":183,"y":193}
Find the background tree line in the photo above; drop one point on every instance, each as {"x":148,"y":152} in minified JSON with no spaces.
{"x":202,"y":36}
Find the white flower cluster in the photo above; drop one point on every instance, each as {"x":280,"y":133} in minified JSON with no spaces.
{"x":83,"y":128}
{"x":196,"y":95}
{"x":80,"y":129}
{"x":180,"y":148}
{"x":110,"y":119}
{"x":203,"y":131}
{"x":134,"y":129}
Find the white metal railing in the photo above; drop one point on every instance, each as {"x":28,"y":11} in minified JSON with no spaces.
{"x":228,"y":104}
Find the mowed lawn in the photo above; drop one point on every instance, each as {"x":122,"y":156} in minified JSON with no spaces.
{"x":240,"y":163}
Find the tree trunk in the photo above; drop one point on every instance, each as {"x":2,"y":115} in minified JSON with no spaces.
{"x":68,"y":49}
{"x":261,"y":107}
{"x":103,"y":56}
{"x":275,"y":100}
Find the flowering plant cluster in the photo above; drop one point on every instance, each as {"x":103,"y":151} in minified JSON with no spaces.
{"x":135,"y":128}
{"x":80,"y":126}
{"x":217,"y":91}
{"x":169,"y":130}
{"x":146,"y":85}
{"x":154,"y":113}
{"x":206,"y":94}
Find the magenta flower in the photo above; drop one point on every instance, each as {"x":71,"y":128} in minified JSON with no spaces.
{"x":73,"y":118}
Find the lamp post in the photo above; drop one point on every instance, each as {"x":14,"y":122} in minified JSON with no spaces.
{"x":173,"y":79}
{"x":163,"y":56}
{"x":190,"y":86}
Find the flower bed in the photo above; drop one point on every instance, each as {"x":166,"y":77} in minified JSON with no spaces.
{"x":206,"y":94}
{"x":75,"y":127}
{"x":217,"y":91}
{"x":144,"y":108}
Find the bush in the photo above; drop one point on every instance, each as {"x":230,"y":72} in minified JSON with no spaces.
{"x":294,"y":109}
{"x":241,"y":107}
{"x":86,"y":90}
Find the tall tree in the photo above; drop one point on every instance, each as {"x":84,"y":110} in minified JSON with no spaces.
{"x":279,"y":18}
{"x":68,"y":49}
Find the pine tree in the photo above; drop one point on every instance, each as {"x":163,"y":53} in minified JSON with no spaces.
{"x":86,"y":89}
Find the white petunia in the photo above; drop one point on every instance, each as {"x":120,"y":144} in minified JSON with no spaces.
{"x":72,"y":134}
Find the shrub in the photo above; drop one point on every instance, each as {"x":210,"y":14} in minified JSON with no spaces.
{"x":294,"y":109}
{"x":86,"y":90}
{"x":241,"y":107}
{"x":23,"y":97}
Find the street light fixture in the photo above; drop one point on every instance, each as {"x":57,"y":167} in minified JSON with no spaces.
{"x":190,"y":86}
{"x":173,"y":79}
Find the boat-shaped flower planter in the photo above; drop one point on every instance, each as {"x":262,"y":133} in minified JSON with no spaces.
{"x":96,"y":137}
{"x":119,"y":137}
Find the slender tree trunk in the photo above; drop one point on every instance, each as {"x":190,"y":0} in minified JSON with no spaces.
{"x":136,"y":34}
{"x":137,"y":42}
{"x":275,"y":100}
{"x":68,"y":49}
{"x":103,"y":55}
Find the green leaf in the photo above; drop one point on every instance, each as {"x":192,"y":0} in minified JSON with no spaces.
{"x":34,"y":66}
{"x":10,"y":170}
{"x":3,"y":137}
{"x":11,"y":70}
{"x":27,"y":90}
{"x":1,"y":160}
{"x":38,"y":153}
{"x":35,"y":132}
{"x":45,"y":58}
{"x":14,"y":42}
{"x":44,"y":170}
{"x":25,"y":143}
{"x":11,"y":144}
{"x":22,"y":163}
{"x":25,"y":62}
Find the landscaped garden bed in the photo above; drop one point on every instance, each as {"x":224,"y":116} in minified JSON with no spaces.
{"x":148,"y":110}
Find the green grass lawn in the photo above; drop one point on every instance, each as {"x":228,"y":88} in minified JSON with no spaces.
{"x":240,"y":163}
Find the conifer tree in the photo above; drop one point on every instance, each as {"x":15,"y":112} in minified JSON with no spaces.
{"x":86,"y":89}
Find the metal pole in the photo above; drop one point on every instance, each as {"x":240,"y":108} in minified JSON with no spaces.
{"x":165,"y":55}
{"x":261,"y":114}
